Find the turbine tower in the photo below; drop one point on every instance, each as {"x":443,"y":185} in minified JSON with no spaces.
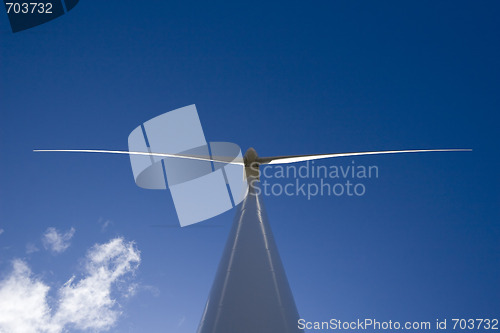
{"x":250,"y":292}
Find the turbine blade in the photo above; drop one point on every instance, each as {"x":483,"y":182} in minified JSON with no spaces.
{"x":226,"y":160}
{"x":302,"y":158}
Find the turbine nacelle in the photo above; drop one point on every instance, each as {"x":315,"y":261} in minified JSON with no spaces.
{"x":252,"y":163}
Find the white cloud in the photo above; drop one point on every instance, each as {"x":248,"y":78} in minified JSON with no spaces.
{"x":55,"y":241}
{"x":155,"y":292}
{"x":104,"y":224}
{"x":31,"y":248}
{"x":86,"y":303}
{"x":23,"y":304}
{"x":1,"y":231}
{"x":181,"y":321}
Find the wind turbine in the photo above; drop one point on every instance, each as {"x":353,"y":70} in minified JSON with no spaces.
{"x":250,"y":292}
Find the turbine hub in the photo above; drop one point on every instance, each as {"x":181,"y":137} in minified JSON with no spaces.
{"x":250,"y":156}
{"x":252,"y":164}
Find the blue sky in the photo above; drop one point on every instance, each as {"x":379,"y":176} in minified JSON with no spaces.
{"x":286,"y":78}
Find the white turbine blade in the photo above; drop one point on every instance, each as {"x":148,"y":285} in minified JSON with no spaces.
{"x":124,"y":152}
{"x":302,"y":158}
